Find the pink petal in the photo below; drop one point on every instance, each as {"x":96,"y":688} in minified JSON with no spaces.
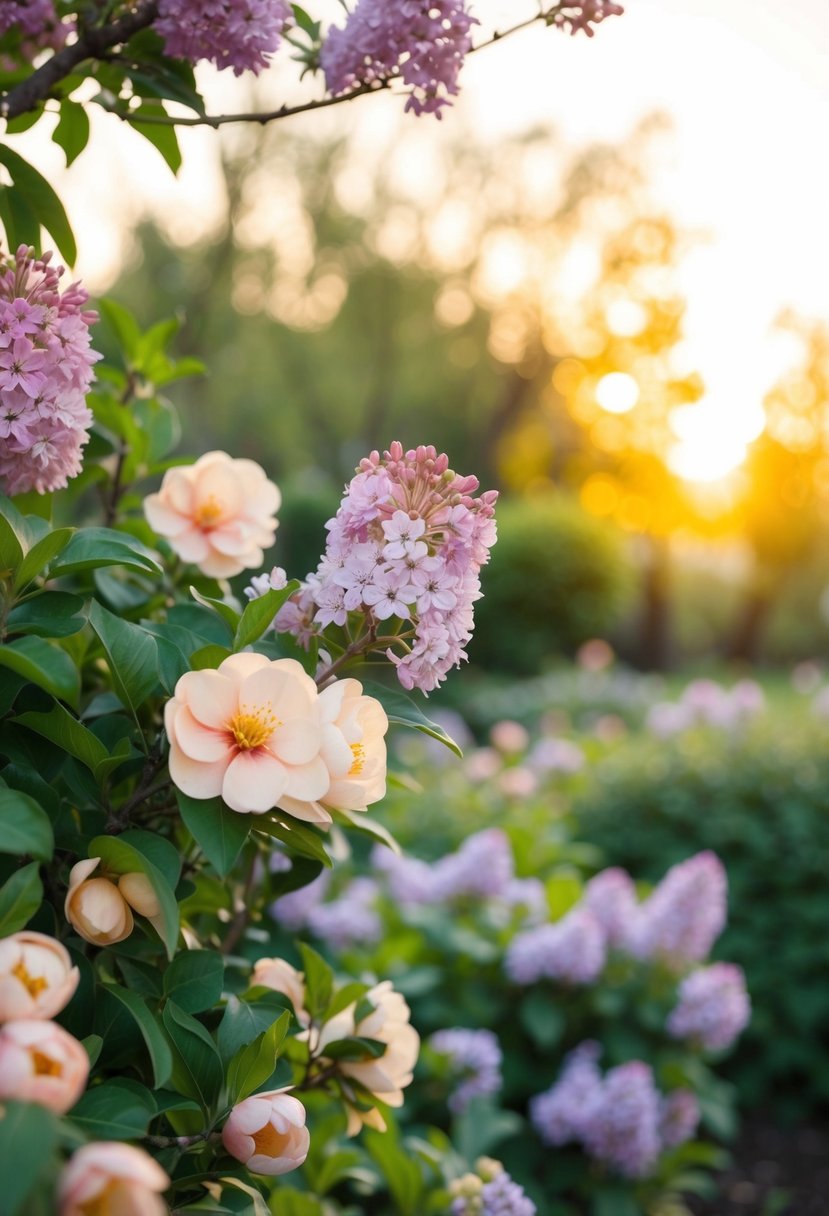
{"x":194,"y":777}
{"x":162,"y":518}
{"x":191,"y":546}
{"x":217,"y":480}
{"x":296,"y":741}
{"x":308,"y":782}
{"x":211,"y":696}
{"x":198,"y":741}
{"x":254,"y":782}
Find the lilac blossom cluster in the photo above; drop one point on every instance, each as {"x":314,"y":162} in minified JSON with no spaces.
{"x":352,"y":919}
{"x":490,"y":1191}
{"x":405,"y":547}
{"x":620,"y":1118}
{"x":45,"y":371}
{"x":706,"y":703}
{"x":676,"y":925}
{"x":584,"y":14}
{"x":421,"y":42}
{"x":713,"y":1007}
{"x":39,"y":25}
{"x":238,"y":34}
{"x":474,"y":1058}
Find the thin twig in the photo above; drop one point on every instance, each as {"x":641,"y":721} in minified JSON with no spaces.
{"x":242,"y":915}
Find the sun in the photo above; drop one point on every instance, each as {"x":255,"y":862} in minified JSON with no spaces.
{"x":713,"y":438}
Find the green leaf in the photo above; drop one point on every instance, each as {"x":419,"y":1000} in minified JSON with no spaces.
{"x":42,"y":199}
{"x":92,"y":1045}
{"x":19,"y":220}
{"x":402,"y":709}
{"x":245,"y":1020}
{"x":403,"y":1176}
{"x":25,"y":827}
{"x":218,"y":831}
{"x":162,"y":135}
{"x":368,"y":827}
{"x":114,"y":1111}
{"x":614,"y":1201}
{"x":542,"y":1019}
{"x":11,"y":547}
{"x":159,"y":851}
{"x":157,"y":1046}
{"x":209,"y":657}
{"x":194,"y":980}
{"x":228,"y":614}
{"x":132,"y":655}
{"x":43,"y":664}
{"x":20,"y":898}
{"x":123,"y":325}
{"x":72,"y":131}
{"x":68,"y":733}
{"x":355,"y":1048}
{"x":253,"y":1064}
{"x":121,"y":855}
{"x":41,"y":553}
{"x":91,"y":548}
{"x":482,"y":1126}
{"x":259,"y":613}
{"x":319,"y":980}
{"x":298,"y":836}
{"x":52,"y":614}
{"x":197,"y":1069}
{"x":28,"y":1138}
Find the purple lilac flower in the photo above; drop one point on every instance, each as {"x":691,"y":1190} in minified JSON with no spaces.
{"x":421,"y":42}
{"x":293,"y":910}
{"x":351,"y":920}
{"x":504,"y":1197}
{"x":584,"y":14}
{"x":679,"y":1117}
{"x":622,"y":1127}
{"x":529,"y":894}
{"x":238,"y":34}
{"x":410,"y":882}
{"x":572,"y":950}
{"x":481,"y":868}
{"x":475,"y":1061}
{"x":685,"y":914}
{"x":713,"y":1007}
{"x":406,"y":545}
{"x":45,"y":372}
{"x":611,"y":897}
{"x":559,"y":1114}
{"x":39,"y":25}
{"x":556,"y":756}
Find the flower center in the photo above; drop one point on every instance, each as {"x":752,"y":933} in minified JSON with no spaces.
{"x":209,"y":513}
{"x":45,"y":1066}
{"x":251,"y":728}
{"x":34,"y":984}
{"x":359,"y":754}
{"x":269,"y":1142}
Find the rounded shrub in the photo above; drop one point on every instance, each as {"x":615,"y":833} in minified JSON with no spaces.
{"x":557,"y":577}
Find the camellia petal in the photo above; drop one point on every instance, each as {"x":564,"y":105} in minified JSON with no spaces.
{"x":254,"y":782}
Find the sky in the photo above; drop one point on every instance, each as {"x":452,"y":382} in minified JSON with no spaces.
{"x":746,"y":86}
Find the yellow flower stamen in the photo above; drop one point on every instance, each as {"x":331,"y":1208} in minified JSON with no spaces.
{"x":45,"y":1066}
{"x":34,"y":984}
{"x":269,"y":1142}
{"x":359,"y":754}
{"x":209,"y":513}
{"x":252,"y":728}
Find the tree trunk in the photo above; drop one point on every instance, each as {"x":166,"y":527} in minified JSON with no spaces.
{"x":655,"y":639}
{"x":751,"y":623}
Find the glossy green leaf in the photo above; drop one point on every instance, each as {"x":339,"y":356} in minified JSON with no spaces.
{"x":368,"y":827}
{"x":25,"y":828}
{"x":42,"y":199}
{"x":253,"y":1064}
{"x":91,"y":548}
{"x":298,"y":836}
{"x":194,"y":980}
{"x":245,"y":1020}
{"x":319,"y":980}
{"x":41,"y":553}
{"x":52,"y":614}
{"x":11,"y":548}
{"x":209,"y":657}
{"x":218,"y":831}
{"x":157,"y":1046}
{"x":132,"y":655}
{"x":161,"y":134}
{"x":28,"y":1138}
{"x":123,"y":325}
{"x":228,"y":614}
{"x":20,"y":898}
{"x":43,"y":664}
{"x":197,"y":1068}
{"x":405,"y":711}
{"x":259,"y":613}
{"x":114,"y":1111}
{"x":72,"y":131}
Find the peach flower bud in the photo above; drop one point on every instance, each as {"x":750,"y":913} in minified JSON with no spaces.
{"x":112,"y":1179}
{"x":275,"y":973}
{"x":267,"y":1133}
{"x":138,"y":891}
{"x":95,"y":908}
{"x":37,"y":978}
{"x":353,"y":749}
{"x":249,"y":731}
{"x":40,"y":1062}
{"x":218,"y":513}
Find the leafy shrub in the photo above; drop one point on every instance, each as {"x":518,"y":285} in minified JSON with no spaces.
{"x":558,"y":577}
{"x":762,"y":804}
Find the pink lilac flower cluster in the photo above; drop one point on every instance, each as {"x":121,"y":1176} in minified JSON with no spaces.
{"x":584,"y":14}
{"x":421,"y":42}
{"x":685,"y":914}
{"x":713,"y":1007}
{"x":45,"y":372}
{"x":238,"y":34}
{"x":352,"y":919}
{"x":573,"y":950}
{"x":706,"y":703}
{"x":611,"y":897}
{"x":475,"y":1062}
{"x":39,"y":25}
{"x":405,"y":547}
{"x":620,"y":1119}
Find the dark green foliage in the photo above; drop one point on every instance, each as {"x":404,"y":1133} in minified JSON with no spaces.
{"x":763,"y":806}
{"x":557,"y":576}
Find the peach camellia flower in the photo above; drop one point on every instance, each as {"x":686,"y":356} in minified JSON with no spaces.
{"x":276,"y":974}
{"x":108,"y":1178}
{"x":267,"y":1133}
{"x":387,"y":1076}
{"x":101,"y":911}
{"x":37,"y":978}
{"x":40,"y":1062}
{"x":249,"y":731}
{"x":217,"y":513}
{"x":354,"y":751}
